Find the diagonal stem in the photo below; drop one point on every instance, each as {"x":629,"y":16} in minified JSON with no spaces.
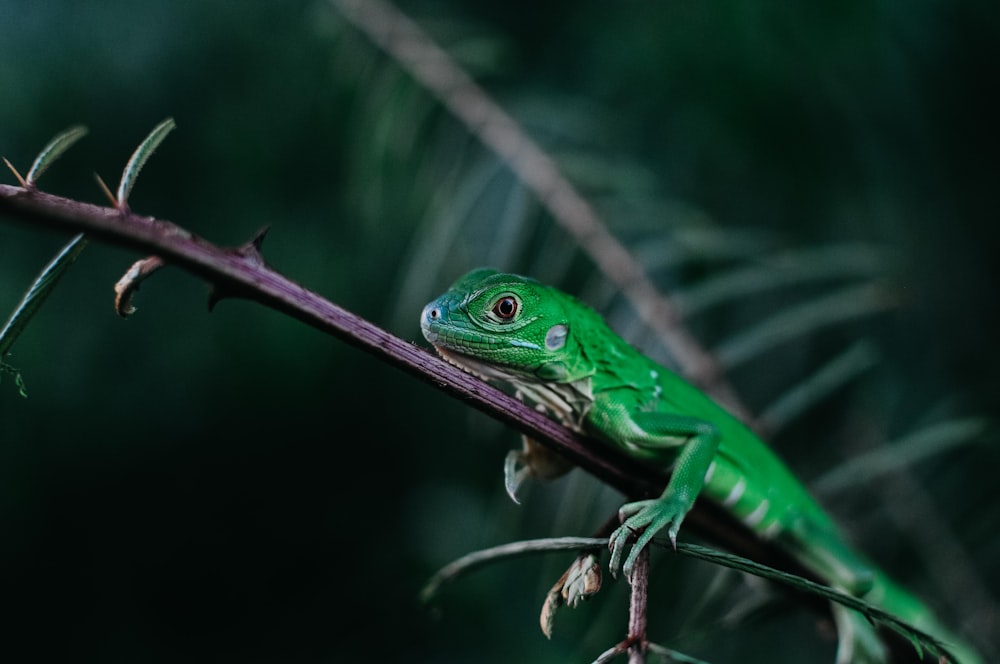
{"x":243,"y":273}
{"x":638,"y":601}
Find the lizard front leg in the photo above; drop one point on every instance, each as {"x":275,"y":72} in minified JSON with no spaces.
{"x":532,"y":460}
{"x":654,"y":435}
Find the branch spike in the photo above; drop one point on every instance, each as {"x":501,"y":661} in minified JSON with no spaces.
{"x":17,"y":175}
{"x":258,"y":239}
{"x":252,"y":249}
{"x":107,"y":192}
{"x":250,"y":252}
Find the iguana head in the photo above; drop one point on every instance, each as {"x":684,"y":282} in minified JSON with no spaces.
{"x":506,"y":326}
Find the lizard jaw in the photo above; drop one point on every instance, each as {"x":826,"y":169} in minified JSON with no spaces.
{"x":487,"y":372}
{"x":568,"y":402}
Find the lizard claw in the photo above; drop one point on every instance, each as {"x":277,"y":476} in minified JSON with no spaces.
{"x":619,"y":539}
{"x":532,"y":460}
{"x":515,"y":471}
{"x":647,"y":518}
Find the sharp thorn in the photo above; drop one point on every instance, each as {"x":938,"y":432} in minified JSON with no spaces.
{"x":24,"y":185}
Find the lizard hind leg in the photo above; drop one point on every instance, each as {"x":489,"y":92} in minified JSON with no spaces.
{"x":857,"y":641}
{"x":820,"y":548}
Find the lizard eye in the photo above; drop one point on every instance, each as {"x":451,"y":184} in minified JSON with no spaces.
{"x":505,"y":307}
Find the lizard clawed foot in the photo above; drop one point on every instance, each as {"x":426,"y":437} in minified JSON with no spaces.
{"x":532,"y":460}
{"x":645,"y":518}
{"x":515,"y":471}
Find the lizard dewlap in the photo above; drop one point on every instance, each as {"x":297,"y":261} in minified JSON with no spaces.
{"x":558,"y":354}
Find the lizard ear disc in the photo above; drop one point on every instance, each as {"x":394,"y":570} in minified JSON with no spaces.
{"x":555,"y":338}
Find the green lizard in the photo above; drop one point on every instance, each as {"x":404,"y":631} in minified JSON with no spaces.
{"x":560,"y":355}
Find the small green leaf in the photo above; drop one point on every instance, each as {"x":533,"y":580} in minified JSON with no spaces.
{"x":40,"y":289}
{"x":18,"y":379}
{"x":139,"y":158}
{"x":21,"y":388}
{"x":915,"y":642}
{"x":56,"y":147}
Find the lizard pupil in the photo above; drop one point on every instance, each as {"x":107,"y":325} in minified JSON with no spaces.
{"x":505,"y":307}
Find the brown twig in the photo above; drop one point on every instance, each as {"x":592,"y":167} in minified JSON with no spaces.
{"x":635,"y":643}
{"x":638,"y":599}
{"x":243,"y":273}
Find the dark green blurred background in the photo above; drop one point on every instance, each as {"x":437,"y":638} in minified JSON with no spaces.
{"x":237,"y":487}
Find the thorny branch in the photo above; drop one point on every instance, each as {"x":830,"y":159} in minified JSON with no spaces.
{"x":242,"y":272}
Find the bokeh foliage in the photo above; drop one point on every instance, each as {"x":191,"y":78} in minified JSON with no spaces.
{"x":234,"y":486}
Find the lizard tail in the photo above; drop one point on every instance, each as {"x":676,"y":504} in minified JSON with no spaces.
{"x":888,"y":595}
{"x":818,"y":545}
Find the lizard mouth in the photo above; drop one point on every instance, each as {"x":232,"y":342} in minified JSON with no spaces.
{"x":448,"y":339}
{"x":473,"y":365}
{"x":568,"y":402}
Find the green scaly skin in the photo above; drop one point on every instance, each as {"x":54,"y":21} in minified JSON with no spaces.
{"x":559,"y":354}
